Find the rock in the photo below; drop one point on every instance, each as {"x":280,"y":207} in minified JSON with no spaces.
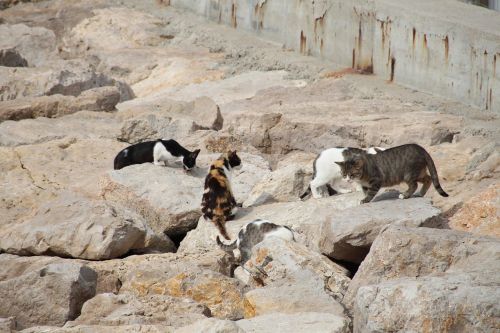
{"x":8,"y":325}
{"x":212,"y":325}
{"x":82,"y":125}
{"x":480,"y":214}
{"x":426,"y":279}
{"x":347,"y":235}
{"x":73,"y":226}
{"x":428,"y":304}
{"x":35,"y":45}
{"x":222,"y":295}
{"x":302,"y":322}
{"x":284,"y":184}
{"x":97,"y":99}
{"x":55,"y":295}
{"x":126,"y":309}
{"x":70,"y":77}
{"x":295,"y":280}
{"x":135,"y":328}
{"x":170,"y":199}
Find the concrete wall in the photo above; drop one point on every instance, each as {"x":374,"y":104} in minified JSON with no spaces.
{"x":444,"y":47}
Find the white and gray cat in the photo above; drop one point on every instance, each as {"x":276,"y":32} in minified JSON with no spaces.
{"x":326,"y":171}
{"x":252,"y":234}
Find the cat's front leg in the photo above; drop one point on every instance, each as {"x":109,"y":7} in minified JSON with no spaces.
{"x":371,"y":191}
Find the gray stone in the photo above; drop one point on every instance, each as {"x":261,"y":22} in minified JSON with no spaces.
{"x":348,"y":235}
{"x":55,"y":295}
{"x":212,"y":325}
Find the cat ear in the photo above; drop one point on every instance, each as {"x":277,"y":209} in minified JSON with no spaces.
{"x":196,"y":152}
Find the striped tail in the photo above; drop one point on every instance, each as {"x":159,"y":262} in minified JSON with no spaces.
{"x":433,"y":172}
{"x":226,"y":247}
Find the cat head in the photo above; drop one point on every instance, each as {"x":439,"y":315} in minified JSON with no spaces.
{"x":352,"y":168}
{"x":234,"y":160}
{"x":189,"y":161}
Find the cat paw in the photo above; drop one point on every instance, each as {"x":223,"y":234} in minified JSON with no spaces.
{"x":364,"y":201}
{"x":401,"y":196}
{"x":239,"y":204}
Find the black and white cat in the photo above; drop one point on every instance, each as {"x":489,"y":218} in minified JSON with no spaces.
{"x":326,"y":171}
{"x":160,"y":152}
{"x":252,"y":234}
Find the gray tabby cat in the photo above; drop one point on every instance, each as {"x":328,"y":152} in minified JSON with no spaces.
{"x":252,"y":234}
{"x":407,"y":163}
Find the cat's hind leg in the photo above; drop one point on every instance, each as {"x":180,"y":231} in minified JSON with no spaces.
{"x":412,"y":187}
{"x":426,"y":183}
{"x":315,"y":184}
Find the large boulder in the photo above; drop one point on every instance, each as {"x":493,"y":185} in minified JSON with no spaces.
{"x":126,"y":309}
{"x":167,"y":197}
{"x":56,"y":292}
{"x":348,"y":234}
{"x":480,"y":214}
{"x":36,"y":45}
{"x":73,"y":226}
{"x":97,"y":99}
{"x":294,"y":279}
{"x":81,"y":125}
{"x":422,"y":277}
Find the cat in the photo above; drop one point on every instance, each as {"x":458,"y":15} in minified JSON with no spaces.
{"x":159,"y":152}
{"x":407,"y":163}
{"x":253,"y":233}
{"x":218,"y":202}
{"x":325,"y":170}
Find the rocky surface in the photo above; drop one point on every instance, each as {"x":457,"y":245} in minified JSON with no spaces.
{"x":91,"y":249}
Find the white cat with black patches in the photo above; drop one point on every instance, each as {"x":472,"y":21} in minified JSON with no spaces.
{"x":252,"y":234}
{"x":160,"y":152}
{"x":326,"y":171}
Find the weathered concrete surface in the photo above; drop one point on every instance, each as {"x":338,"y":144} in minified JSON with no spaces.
{"x":432,"y":48}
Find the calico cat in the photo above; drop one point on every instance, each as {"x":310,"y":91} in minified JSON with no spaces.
{"x":407,"y":163}
{"x":325,"y":170}
{"x":253,"y":233}
{"x":159,"y":152}
{"x":218,"y":203}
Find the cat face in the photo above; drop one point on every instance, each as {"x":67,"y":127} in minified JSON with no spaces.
{"x":352,"y":169}
{"x":234,"y":160}
{"x":189,"y":161}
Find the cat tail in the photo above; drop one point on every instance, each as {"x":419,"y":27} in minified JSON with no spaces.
{"x":306,"y":193}
{"x":226,"y":247}
{"x":433,"y":172}
{"x":219,"y":223}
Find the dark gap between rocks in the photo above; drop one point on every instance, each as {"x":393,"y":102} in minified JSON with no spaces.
{"x":350,"y":266}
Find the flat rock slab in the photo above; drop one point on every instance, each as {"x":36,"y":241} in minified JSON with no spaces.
{"x":56,"y":293}
{"x":348,"y":234}
{"x":170,"y":199}
{"x":77,"y":227}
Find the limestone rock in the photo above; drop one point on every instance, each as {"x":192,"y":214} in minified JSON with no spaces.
{"x":295,"y":280}
{"x":36,"y":45}
{"x":73,"y":226}
{"x":348,"y":235}
{"x":428,"y":304}
{"x":283,"y":184}
{"x":126,"y":309}
{"x":55,"y":295}
{"x":97,"y":99}
{"x":423,"y":269}
{"x":205,"y":113}
{"x":302,"y":322}
{"x":8,"y":325}
{"x":480,"y":214}
{"x":82,"y":125}
{"x":134,"y":328}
